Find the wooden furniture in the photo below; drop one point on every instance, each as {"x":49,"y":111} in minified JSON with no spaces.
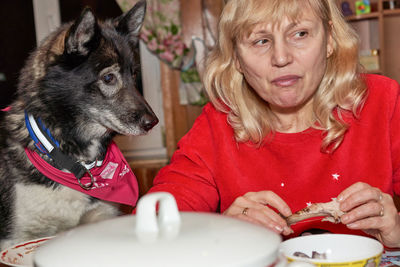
{"x":379,"y":30}
{"x":145,"y":171}
{"x":178,"y":118}
{"x":199,"y":18}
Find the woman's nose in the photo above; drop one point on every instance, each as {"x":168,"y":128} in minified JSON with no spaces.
{"x":282,"y":55}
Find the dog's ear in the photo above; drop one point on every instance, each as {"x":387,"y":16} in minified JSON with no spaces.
{"x":82,"y":36}
{"x":131,"y":22}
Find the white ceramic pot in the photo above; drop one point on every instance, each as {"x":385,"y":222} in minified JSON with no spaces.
{"x":167,"y":239}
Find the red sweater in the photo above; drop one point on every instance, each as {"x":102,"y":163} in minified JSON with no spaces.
{"x":210,"y":170}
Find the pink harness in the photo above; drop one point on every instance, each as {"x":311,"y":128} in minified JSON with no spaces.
{"x":113,"y":181}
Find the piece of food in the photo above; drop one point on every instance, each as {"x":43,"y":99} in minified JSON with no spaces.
{"x":301,"y":254}
{"x":315,"y":255}
{"x":330,"y":210}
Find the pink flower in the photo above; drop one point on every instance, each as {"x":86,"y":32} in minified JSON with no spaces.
{"x":152,"y":45}
{"x":162,"y":47}
{"x":176,"y":38}
{"x":179,"y":48}
{"x":145,"y":31}
{"x":144,"y":37}
{"x":167,"y":55}
{"x":168,"y":39}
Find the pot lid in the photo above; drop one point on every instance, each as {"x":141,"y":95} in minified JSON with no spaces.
{"x":166,"y":238}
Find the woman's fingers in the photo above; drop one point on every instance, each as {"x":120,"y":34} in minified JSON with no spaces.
{"x":263,"y":215}
{"x":272,"y":199}
{"x":370,"y":209}
{"x":361,"y":201}
{"x":358,"y":194}
{"x":258,"y":207}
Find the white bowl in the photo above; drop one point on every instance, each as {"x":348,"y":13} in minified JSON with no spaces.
{"x":340,"y":249}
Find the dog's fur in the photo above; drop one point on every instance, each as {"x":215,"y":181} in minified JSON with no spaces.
{"x":81,"y":83}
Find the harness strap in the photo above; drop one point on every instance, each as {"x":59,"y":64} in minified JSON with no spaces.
{"x":46,"y":144}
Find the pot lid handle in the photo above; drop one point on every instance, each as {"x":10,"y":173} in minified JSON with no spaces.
{"x":148,"y":226}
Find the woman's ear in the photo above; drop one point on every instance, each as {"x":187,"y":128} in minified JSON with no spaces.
{"x":237,"y":62}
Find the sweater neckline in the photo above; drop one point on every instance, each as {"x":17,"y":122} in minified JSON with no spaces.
{"x":298,"y":137}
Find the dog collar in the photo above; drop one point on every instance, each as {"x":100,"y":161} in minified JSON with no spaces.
{"x":46,"y":144}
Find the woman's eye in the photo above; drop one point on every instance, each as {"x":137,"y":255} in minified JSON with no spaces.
{"x":261,"y":42}
{"x":301,"y":34}
{"x":109,"y":79}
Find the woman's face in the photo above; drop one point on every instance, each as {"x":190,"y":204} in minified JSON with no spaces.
{"x":286,"y":63}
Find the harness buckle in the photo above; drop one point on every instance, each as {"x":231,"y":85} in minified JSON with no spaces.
{"x":87,"y":187}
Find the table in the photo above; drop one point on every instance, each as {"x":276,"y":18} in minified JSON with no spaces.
{"x":390,"y":258}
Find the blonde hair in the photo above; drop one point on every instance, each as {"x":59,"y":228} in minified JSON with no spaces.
{"x":342,"y":89}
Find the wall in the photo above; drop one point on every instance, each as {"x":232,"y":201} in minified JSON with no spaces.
{"x":17,"y":40}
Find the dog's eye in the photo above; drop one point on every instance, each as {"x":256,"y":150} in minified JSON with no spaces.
{"x":109,"y":79}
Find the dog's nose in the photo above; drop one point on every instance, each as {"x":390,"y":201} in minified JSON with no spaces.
{"x":148,"y":121}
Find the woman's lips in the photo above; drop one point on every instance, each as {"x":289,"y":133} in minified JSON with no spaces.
{"x":286,"y":80}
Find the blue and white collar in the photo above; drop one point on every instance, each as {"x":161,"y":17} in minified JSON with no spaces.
{"x":46,"y":144}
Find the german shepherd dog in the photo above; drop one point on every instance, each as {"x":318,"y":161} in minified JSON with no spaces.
{"x":81,"y":84}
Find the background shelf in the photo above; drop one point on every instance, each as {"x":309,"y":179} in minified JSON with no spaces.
{"x":379,"y":30}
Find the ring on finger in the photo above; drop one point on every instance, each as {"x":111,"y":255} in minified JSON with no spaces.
{"x":244,"y":211}
{"x":382,"y":212}
{"x":380,"y":196}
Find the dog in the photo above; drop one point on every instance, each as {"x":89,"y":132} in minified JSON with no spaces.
{"x":76,"y":91}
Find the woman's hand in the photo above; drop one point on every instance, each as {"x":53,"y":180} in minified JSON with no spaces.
{"x":256,"y":207}
{"x":370,"y":210}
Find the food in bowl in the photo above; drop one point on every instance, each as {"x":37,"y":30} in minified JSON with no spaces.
{"x":339,"y":249}
{"x":314,"y":255}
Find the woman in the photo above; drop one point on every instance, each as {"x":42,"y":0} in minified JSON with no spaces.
{"x":291,"y":122}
